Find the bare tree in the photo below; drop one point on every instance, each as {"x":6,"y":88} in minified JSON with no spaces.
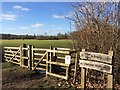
{"x":96,"y":28}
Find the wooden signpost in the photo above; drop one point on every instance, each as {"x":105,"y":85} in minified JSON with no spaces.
{"x":96,"y":66}
{"x":96,"y":57}
{"x":96,"y":61}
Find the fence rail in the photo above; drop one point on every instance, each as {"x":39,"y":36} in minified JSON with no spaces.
{"x":48,"y":59}
{"x":37,"y":58}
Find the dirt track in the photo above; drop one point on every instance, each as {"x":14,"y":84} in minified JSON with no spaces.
{"x":17,"y":77}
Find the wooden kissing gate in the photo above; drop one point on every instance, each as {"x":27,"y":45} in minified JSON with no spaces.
{"x":38,"y":59}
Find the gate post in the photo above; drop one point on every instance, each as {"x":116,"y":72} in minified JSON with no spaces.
{"x":51,"y":55}
{"x":47,"y":65}
{"x":54,"y":54}
{"x":32,"y":57}
{"x":21,"y":54}
{"x":29,"y":57}
{"x":2,"y":54}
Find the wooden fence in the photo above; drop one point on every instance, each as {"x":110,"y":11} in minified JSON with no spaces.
{"x":60,"y":59}
{"x":38,"y":58}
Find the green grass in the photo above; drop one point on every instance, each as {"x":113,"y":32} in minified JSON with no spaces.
{"x":38,"y":43}
{"x":35,"y":43}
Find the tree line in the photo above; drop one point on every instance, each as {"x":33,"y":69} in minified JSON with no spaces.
{"x":37,"y":37}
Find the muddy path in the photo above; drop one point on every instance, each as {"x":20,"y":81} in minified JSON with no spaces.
{"x":14,"y":76}
{"x":17,"y":77}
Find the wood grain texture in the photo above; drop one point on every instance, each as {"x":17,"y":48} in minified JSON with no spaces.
{"x":96,"y":66}
{"x":96,"y":56}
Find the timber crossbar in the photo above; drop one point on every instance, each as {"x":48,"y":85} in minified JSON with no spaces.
{"x":11,"y":54}
{"x":47,"y":59}
{"x":49,"y":62}
{"x":38,"y":58}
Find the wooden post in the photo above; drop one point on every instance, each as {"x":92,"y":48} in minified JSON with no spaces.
{"x":76,"y":64}
{"x":24,"y":54}
{"x":32,"y":51}
{"x":83,"y":76}
{"x":51,"y":54}
{"x":67,"y":72}
{"x":29,"y":57}
{"x":2,"y":54}
{"x":21,"y":54}
{"x":54,"y":54}
{"x":110,"y":76}
{"x":47,"y":59}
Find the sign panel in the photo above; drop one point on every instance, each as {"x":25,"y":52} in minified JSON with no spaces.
{"x":96,"y":56}
{"x":96,"y":66}
{"x":67,"y":59}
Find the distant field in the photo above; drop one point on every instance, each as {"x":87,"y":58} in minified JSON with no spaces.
{"x":38,"y":43}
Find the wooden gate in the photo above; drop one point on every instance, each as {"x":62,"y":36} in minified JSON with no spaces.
{"x":56,"y":59}
{"x":38,"y":58}
{"x":18,"y":55}
{"x":12,"y":54}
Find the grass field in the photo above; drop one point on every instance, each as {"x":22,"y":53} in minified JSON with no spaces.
{"x":38,"y":43}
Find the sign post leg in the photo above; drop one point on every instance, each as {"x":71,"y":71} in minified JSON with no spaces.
{"x":110,"y":76}
{"x":83,"y":78}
